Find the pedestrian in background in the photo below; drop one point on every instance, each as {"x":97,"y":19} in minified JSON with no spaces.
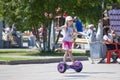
{"x":78,"y":25}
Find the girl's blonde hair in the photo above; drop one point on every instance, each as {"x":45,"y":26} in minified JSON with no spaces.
{"x":68,"y":18}
{"x":66,"y":24}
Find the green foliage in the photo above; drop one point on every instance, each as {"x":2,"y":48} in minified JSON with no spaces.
{"x":28,"y":13}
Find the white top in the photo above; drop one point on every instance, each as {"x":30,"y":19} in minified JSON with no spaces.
{"x":107,"y":37}
{"x":89,"y":33}
{"x":68,"y":34}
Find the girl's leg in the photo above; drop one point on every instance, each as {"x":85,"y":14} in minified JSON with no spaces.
{"x":65,"y":56}
{"x":71,"y":57}
{"x":66,"y":52}
{"x":70,"y":52}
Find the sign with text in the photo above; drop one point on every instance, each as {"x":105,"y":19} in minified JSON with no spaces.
{"x":114,"y":19}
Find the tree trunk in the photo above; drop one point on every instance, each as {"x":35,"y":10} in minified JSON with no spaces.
{"x":60,"y":22}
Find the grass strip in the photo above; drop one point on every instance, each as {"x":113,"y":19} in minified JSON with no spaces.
{"x":14,"y":58}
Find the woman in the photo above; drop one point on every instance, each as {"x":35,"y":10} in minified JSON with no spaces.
{"x":108,"y":40}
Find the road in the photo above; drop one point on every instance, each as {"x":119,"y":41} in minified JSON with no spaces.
{"x":49,"y":72}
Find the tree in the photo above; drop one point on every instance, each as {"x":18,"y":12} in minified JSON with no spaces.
{"x":29,"y":13}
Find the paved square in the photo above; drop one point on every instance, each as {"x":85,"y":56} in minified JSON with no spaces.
{"x":49,"y":72}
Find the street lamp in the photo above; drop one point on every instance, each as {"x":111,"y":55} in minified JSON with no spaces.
{"x":103,"y":5}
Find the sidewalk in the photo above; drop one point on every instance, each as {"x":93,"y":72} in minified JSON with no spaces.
{"x":49,"y":71}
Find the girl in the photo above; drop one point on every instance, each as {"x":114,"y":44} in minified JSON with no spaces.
{"x":108,"y":40}
{"x":67,"y":41}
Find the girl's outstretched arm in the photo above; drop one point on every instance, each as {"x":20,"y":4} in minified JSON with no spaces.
{"x":80,"y":33}
{"x":59,"y":28}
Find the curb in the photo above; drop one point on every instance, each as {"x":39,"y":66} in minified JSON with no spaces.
{"x":41,"y":61}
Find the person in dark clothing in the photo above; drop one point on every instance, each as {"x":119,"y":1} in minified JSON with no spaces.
{"x":78,"y":25}
{"x":108,"y":40}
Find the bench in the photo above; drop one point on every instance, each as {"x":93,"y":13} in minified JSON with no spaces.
{"x":83,"y":43}
{"x":77,"y":40}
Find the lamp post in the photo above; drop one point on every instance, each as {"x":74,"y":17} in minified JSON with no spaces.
{"x":103,"y":4}
{"x":1,"y":41}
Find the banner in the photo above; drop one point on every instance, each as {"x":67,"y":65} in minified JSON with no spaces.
{"x":114,"y":19}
